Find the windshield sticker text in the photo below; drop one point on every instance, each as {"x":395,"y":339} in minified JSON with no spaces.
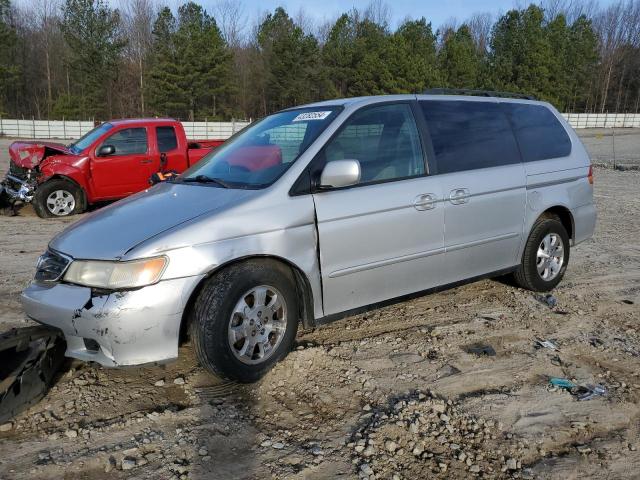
{"x":303,"y":117}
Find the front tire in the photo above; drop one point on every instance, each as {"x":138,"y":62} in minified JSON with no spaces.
{"x":245,"y":319}
{"x":545,"y":257}
{"x":58,"y":198}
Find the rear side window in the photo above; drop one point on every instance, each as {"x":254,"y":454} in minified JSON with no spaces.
{"x":469,"y":135}
{"x":539,"y":133}
{"x":167,"y":139}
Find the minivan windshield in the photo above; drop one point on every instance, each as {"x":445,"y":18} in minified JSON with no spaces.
{"x":88,"y":138}
{"x":261,"y":153}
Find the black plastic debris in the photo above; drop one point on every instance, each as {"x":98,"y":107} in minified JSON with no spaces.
{"x":480,"y":349}
{"x":588,"y":392}
{"x":549,"y":300}
{"x":29,"y":360}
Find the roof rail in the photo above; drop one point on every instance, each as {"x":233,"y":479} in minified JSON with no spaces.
{"x":477,"y":93}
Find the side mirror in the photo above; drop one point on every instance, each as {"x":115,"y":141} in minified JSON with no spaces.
{"x":340,"y":173}
{"x":106,"y":150}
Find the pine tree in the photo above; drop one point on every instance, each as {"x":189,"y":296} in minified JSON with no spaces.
{"x":415,"y":65}
{"x":581,"y":60}
{"x":91,"y":30}
{"x":191,"y":65}
{"x":163,"y":90}
{"x":460,"y":64}
{"x":360,"y":57}
{"x":290,"y":62}
{"x":521,"y":58}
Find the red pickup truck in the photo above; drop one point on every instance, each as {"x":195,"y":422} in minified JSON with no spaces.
{"x":113,"y":160}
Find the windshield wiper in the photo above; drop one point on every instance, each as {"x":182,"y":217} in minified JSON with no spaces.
{"x":206,"y":179}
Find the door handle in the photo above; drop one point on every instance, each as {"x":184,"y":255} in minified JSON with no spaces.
{"x":458,"y":196}
{"x":425,"y":201}
{"x":148,"y":160}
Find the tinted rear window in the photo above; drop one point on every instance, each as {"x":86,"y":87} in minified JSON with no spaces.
{"x":539,"y":133}
{"x":469,"y":135}
{"x":167,"y":140}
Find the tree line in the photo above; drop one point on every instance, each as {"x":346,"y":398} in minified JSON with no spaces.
{"x":80,"y":59}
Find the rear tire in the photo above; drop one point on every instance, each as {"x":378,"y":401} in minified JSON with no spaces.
{"x":58,"y":198}
{"x":545,"y":257}
{"x":253,"y":302}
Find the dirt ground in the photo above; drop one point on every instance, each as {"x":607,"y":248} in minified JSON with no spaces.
{"x":389,"y":394}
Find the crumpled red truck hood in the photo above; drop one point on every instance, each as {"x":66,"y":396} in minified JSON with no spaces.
{"x":27,"y":154}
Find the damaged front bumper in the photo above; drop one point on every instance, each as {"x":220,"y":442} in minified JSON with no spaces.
{"x":114,"y":329}
{"x":17,"y":188}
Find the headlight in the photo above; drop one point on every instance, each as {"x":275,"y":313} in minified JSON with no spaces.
{"x":116,"y":275}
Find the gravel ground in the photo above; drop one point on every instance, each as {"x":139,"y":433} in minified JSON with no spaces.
{"x":605,"y":147}
{"x":392,"y":393}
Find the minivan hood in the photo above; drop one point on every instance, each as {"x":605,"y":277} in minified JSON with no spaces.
{"x":109,"y":233}
{"x":27,"y":154}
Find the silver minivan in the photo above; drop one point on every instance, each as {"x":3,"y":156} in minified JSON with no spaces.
{"x":315,"y":213}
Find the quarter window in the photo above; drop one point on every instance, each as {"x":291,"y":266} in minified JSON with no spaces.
{"x":128,"y":141}
{"x":383,"y":139}
{"x":167,"y":139}
{"x":539,"y":133}
{"x":468,"y":135}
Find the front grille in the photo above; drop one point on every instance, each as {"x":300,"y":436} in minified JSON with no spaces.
{"x":18,"y":171}
{"x":51,"y":266}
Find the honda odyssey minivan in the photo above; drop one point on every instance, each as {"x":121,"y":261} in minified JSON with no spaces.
{"x":315,"y":213}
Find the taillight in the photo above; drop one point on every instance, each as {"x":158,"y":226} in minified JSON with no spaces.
{"x":590,"y":175}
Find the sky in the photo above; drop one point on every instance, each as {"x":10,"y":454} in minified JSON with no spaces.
{"x":435,"y":11}
{"x":438,"y":12}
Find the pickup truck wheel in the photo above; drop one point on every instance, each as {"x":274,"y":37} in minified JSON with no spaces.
{"x":245,"y":319}
{"x":546,"y":255}
{"x":58,"y":198}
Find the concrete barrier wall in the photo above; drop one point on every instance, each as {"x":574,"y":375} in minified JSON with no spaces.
{"x":603,"y":120}
{"x":44,"y":129}
{"x":66,"y":129}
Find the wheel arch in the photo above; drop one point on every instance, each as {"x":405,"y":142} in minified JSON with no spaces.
{"x":565,"y":216}
{"x":66,"y":178}
{"x":303,"y":288}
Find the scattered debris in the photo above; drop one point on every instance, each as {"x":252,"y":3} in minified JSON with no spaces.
{"x":583,"y":449}
{"x":480,"y":349}
{"x":549,"y":300}
{"x":596,"y":342}
{"x":29,"y":360}
{"x":557,"y":361}
{"x":562,"y":383}
{"x":581,"y":392}
{"x":546,"y":344}
{"x":589,"y":392}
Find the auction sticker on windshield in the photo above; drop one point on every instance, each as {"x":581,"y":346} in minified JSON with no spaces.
{"x":311,"y":116}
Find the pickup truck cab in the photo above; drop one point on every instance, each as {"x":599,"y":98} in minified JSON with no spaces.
{"x":112,"y":161}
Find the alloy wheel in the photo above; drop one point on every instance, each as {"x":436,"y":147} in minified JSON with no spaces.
{"x":61,"y":202}
{"x":258,"y":324}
